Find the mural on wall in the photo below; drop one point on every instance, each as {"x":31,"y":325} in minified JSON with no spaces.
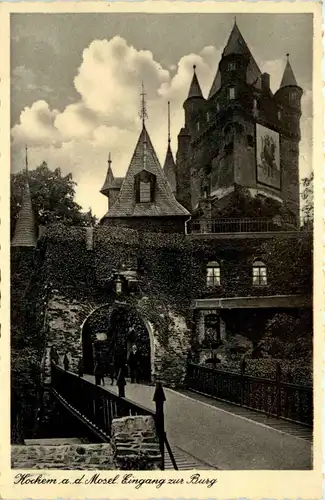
{"x":268,"y":156}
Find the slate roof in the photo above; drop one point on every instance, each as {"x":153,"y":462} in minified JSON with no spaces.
{"x":25,"y":230}
{"x":195,"y":89}
{"x":288,"y":78}
{"x":237,"y":45}
{"x":111,"y":182}
{"x":165,"y":203}
{"x":170,"y":168}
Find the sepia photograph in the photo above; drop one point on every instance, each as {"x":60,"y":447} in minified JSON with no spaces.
{"x":161,"y":228}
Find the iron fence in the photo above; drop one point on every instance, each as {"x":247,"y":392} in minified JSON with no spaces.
{"x":248,"y":225}
{"x":97,"y":407}
{"x":272,"y":397}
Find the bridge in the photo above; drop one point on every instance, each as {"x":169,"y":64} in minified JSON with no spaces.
{"x":195,"y":431}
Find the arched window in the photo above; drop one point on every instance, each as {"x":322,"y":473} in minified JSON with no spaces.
{"x":213,"y":274}
{"x":231,"y":93}
{"x":144,"y":183}
{"x":198,"y":126}
{"x":259,"y":273}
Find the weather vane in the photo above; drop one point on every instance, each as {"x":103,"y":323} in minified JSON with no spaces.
{"x":26,"y":159}
{"x":143,"y":110}
{"x":168,"y":122}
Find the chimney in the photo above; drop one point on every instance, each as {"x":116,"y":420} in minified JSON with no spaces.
{"x":266,"y":81}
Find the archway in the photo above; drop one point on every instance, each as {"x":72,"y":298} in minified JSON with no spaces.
{"x":109,"y":332}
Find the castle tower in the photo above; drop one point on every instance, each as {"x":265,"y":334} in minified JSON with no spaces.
{"x":25,"y":230}
{"x":242,"y":142}
{"x":169,"y":165}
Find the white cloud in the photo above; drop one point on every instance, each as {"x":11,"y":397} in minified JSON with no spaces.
{"x":106,"y":116}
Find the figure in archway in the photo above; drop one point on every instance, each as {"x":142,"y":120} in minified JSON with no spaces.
{"x":134,"y":363}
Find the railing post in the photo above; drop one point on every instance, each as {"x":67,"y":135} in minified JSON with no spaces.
{"x":66,"y":363}
{"x":159,"y":398}
{"x":242,"y":381}
{"x":121,"y":383}
{"x":278,"y":390}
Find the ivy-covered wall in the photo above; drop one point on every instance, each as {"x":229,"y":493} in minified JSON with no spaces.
{"x":79,"y":275}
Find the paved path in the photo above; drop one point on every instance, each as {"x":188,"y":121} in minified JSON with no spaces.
{"x":223,"y":439}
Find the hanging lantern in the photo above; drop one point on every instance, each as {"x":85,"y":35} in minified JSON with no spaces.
{"x":118,"y":285}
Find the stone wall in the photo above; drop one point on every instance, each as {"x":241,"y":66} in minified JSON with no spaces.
{"x":135,"y":443}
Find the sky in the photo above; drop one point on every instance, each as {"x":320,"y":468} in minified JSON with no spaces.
{"x":76,"y":83}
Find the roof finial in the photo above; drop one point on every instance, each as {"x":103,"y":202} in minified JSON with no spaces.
{"x":194,"y":68}
{"x":109,"y":159}
{"x":288,"y":56}
{"x":143,"y":109}
{"x":235,"y":21}
{"x":26,"y":159}
{"x":168,"y":122}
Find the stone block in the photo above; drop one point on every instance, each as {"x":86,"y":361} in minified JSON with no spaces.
{"x":135,"y":443}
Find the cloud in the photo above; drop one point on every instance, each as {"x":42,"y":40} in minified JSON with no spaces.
{"x":105,"y":117}
{"x":24,"y":80}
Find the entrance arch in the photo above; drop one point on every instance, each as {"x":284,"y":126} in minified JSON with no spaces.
{"x":109,"y":332}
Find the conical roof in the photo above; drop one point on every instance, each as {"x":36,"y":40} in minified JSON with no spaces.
{"x":236,"y":45}
{"x":195,"y":89}
{"x":165,"y":203}
{"x":25,"y":233}
{"x":111,"y":182}
{"x":170,"y":168}
{"x":288,"y":78}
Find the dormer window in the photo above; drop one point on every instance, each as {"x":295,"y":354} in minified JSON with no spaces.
{"x":232,"y":66}
{"x":231,"y":93}
{"x":145,"y":187}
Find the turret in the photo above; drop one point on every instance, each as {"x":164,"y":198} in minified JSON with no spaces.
{"x":25,"y":230}
{"x":289,"y":92}
{"x":194,"y":100}
{"x":169,"y":165}
{"x":112,"y":185}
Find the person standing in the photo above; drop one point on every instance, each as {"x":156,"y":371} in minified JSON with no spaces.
{"x":99,"y":372}
{"x":133,"y":362}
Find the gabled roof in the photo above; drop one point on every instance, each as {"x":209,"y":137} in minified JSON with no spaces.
{"x":165,"y":203}
{"x":237,"y":45}
{"x":25,"y":233}
{"x":195,"y":89}
{"x":170,"y":168}
{"x":288,"y":78}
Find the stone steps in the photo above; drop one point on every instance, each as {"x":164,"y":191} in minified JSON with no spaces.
{"x":184,"y":461}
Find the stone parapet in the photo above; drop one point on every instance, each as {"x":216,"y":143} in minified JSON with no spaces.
{"x":135,"y":443}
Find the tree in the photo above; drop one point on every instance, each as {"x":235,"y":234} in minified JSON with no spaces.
{"x":52,"y":197}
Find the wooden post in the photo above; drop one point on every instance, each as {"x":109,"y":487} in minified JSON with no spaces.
{"x":66,"y":363}
{"x":242,"y":381}
{"x":159,"y":398}
{"x":278,"y":390}
{"x":121,"y":383}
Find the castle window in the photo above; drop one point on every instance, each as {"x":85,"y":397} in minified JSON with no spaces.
{"x":145,"y":195}
{"x":279,"y":115}
{"x":208,"y":116}
{"x":144,"y":187}
{"x":211,"y":328}
{"x":259,"y":273}
{"x":232,"y":66}
{"x":218,"y":107}
{"x":198,"y":126}
{"x":231,"y":93}
{"x":213,"y":274}
{"x":293,"y":96}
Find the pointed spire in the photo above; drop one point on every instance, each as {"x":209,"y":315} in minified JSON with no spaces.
{"x":169,"y":165}
{"x":109,"y":176}
{"x":195,"y":89}
{"x":143,"y":110}
{"x":288,"y":78}
{"x":25,"y":233}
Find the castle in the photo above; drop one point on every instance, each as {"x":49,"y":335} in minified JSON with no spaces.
{"x":189,"y":254}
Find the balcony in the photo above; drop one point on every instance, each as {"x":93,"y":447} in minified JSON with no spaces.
{"x":248,"y":226}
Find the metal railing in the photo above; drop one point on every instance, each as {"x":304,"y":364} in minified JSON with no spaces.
{"x":96,"y":407}
{"x":248,"y":225}
{"x":272,"y":397}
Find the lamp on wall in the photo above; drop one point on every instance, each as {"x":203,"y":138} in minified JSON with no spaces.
{"x":118,"y":285}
